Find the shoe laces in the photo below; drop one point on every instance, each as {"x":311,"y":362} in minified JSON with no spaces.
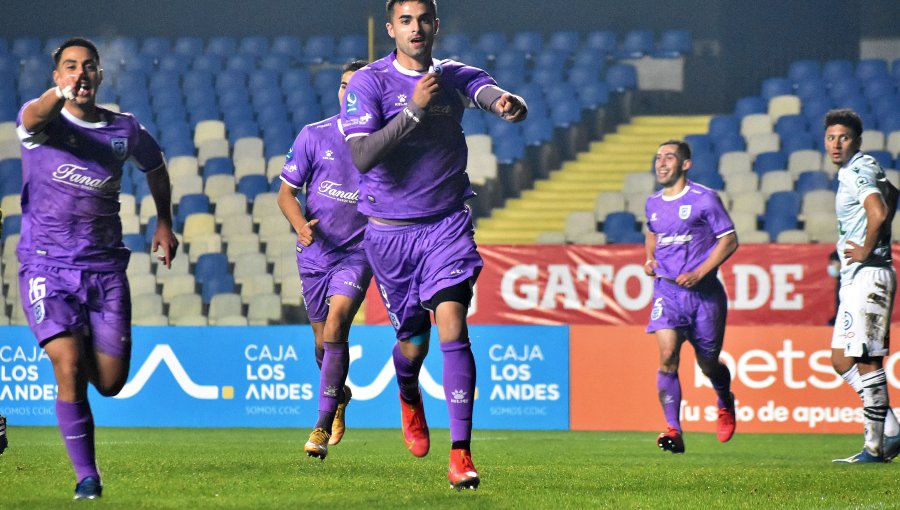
{"x":319,"y":436}
{"x":415,"y":419}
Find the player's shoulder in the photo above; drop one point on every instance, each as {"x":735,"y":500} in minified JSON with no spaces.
{"x":866,"y":163}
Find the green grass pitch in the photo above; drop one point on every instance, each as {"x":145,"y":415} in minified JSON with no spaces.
{"x":266,"y":468}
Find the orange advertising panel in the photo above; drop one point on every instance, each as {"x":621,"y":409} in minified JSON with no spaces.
{"x":606,"y":285}
{"x":782,"y":380}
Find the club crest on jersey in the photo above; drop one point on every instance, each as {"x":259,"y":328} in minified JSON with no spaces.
{"x":657,"y":310}
{"x":39,"y":312}
{"x":352,"y":103}
{"x":862,"y":181}
{"x":119,"y":147}
{"x":684,"y":212}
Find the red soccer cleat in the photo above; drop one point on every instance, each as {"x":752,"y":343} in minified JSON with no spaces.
{"x":462,"y":474}
{"x":415,"y":428}
{"x":670,"y":441}
{"x":725,"y":425}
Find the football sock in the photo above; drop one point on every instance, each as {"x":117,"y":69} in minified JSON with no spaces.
{"x":335,"y":365}
{"x":891,"y":426}
{"x":875,"y":406}
{"x":459,"y":387}
{"x":669,"y":388}
{"x":721,"y":383}
{"x":407,"y":375}
{"x":76,"y":425}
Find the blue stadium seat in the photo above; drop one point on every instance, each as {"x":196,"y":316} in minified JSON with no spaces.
{"x":674,"y":43}
{"x":550,"y":58}
{"x":706,"y":177}
{"x":889,"y":122}
{"x":327,"y":81}
{"x":149,"y":229}
{"x":351,"y":47}
{"x":528,"y":42}
{"x":318,"y":49}
{"x":884,"y":158}
{"x":729,"y":143}
{"x":845,"y":87}
{"x":593,"y":95}
{"x":769,"y":161}
{"x":178,"y":147}
{"x":837,"y":69}
{"x":538,"y":131}
{"x":473,"y":122}
{"x":296,"y":79}
{"x":307,"y":113}
{"x":156,"y":46}
{"x":217,"y":166}
{"x":223,"y":46}
{"x":787,"y":125}
{"x":135,"y":242}
{"x":275,"y":186}
{"x":210,"y":265}
{"x":750,"y":105}
{"x":243,"y":62}
{"x":811,"y":87}
{"x":546,"y":76}
{"x":198,"y":80}
{"x":24,"y":47}
{"x":277,"y":62}
{"x":814,"y":109}
{"x":636,"y":44}
{"x":782,"y":209}
{"x":254,"y":45}
{"x":621,"y":227}
{"x":867,"y":69}
{"x":603,"y":42}
{"x":209,"y":62}
{"x":287,"y":45}
{"x":491,"y":42}
{"x":10,"y":177}
{"x":511,"y":58}
{"x":722,"y":125}
{"x":252,"y":185}
{"x":699,"y":144}
{"x":857,"y":103}
{"x":231,"y":82}
{"x":566,"y":40}
{"x":589,"y":59}
{"x":264,"y":78}
{"x":777,"y":224}
{"x":190,"y":46}
{"x":797,"y":142}
{"x":12,"y":224}
{"x":475,"y":57}
{"x":140,"y":62}
{"x":778,"y":86}
{"x":241,"y":129}
{"x":188,"y":205}
{"x":453,"y":44}
{"x":566,"y":113}
{"x":219,"y":284}
{"x":881,"y":86}
{"x":621,"y":77}
{"x":174,"y":63}
{"x":811,"y":181}
{"x":801,"y":70}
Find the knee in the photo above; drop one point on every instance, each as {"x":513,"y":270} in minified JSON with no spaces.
{"x":110,"y":389}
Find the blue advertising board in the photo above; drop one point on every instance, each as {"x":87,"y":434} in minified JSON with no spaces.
{"x":267,"y":377}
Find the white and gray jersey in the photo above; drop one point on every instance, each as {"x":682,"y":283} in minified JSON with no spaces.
{"x":859,"y":178}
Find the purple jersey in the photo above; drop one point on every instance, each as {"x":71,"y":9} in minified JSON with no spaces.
{"x":687,"y":228}
{"x":72,"y":171}
{"x":320,"y":160}
{"x":425,"y":175}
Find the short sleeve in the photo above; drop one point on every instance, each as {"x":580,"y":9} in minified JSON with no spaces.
{"x":361,"y":112}
{"x":147,"y":153}
{"x":297,"y":168}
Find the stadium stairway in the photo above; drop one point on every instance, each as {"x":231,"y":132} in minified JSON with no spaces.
{"x":575,"y":186}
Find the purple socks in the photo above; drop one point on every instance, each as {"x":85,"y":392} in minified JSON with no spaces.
{"x":459,"y":387}
{"x":669,"y":388}
{"x":335,"y":365}
{"x":76,"y":425}
{"x":407,"y":375}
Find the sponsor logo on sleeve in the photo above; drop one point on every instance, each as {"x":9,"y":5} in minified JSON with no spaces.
{"x":352,"y":103}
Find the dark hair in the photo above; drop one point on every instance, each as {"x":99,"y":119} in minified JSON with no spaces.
{"x":354,"y":66}
{"x":683,"y":151}
{"x":389,"y":6}
{"x":75,"y":41}
{"x":845,"y":117}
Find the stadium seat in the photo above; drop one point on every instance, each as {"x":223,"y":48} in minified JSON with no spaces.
{"x":750,"y":105}
{"x":134,"y":242}
{"x":196,"y":224}
{"x":871,"y":68}
{"x":636,"y":44}
{"x":748,"y":202}
{"x":144,"y":306}
{"x":223,"y":305}
{"x":800,"y":70}
{"x":139,"y":264}
{"x":156,"y":46}
{"x":215,"y":284}
{"x":180,"y":166}
{"x":793,"y":236}
{"x":621,"y":77}
{"x":619,"y":227}
{"x":674,"y":43}
{"x":797,"y":142}
{"x":821,"y":226}
{"x":742,"y":182}
{"x":453,"y":45}
{"x":763,"y":142}
{"x":178,"y":284}
{"x":579,"y":222}
{"x":259,"y":284}
{"x":263,"y":309}
{"x":772,"y":182}
{"x":184,"y":306}
{"x":777,"y":86}
{"x":837,"y":69}
{"x":817,"y":201}
{"x":564,"y":40}
{"x":811,"y":181}
{"x":755,"y":123}
{"x":318,"y":49}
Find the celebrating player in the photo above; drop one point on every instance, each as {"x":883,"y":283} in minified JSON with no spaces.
{"x":332,"y":263}
{"x":72,"y":275}
{"x":865,"y":204}
{"x":402,"y":118}
{"x":689,"y":235}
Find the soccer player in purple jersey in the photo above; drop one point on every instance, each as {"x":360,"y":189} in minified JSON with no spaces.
{"x":72,"y":275}
{"x":333,"y":267}
{"x":402,"y":118}
{"x":689,"y":235}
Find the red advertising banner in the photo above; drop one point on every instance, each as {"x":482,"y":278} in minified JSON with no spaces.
{"x":605,"y":285}
{"x":782,"y":380}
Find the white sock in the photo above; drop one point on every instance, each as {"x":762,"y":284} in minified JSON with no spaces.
{"x":891,"y":426}
{"x":875,"y":406}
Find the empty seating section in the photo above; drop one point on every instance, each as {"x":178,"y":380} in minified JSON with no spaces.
{"x":226,"y":109}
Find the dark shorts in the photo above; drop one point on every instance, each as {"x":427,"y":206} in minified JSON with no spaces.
{"x":87,"y":304}
{"x":350,"y":277}
{"x":412,"y":262}
{"x":698,"y":313}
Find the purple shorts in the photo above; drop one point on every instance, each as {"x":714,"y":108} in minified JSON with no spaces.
{"x":413,"y":262}
{"x":87,"y":304}
{"x":350,"y":277}
{"x":698,"y":313}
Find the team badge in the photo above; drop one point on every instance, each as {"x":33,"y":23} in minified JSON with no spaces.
{"x":119,"y":147}
{"x":352,"y":103}
{"x":657,"y":310}
{"x":684,"y":212}
{"x":39,"y":312}
{"x":862,"y":181}
{"x":847,"y":320}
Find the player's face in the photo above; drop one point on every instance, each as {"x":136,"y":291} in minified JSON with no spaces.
{"x":669,"y":166}
{"x":79,"y":62}
{"x":841,"y":143}
{"x":345,"y":79}
{"x":413,"y":26}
